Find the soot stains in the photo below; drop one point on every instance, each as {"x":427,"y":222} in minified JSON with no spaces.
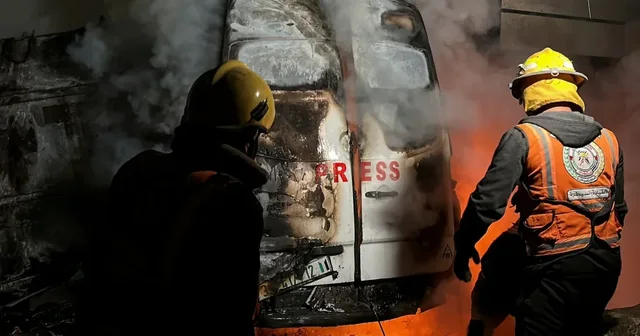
{"x":18,"y":140}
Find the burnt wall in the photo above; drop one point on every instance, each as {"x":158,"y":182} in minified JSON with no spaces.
{"x":44,"y":147}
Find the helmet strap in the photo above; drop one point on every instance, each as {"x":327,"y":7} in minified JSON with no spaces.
{"x":252,"y":145}
{"x":252,"y":149}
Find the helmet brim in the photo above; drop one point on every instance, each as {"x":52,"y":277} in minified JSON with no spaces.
{"x":574,"y":77}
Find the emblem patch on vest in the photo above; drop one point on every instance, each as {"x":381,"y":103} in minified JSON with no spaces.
{"x":584,"y":164}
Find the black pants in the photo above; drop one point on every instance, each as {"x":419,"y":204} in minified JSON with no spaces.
{"x":564,"y":297}
{"x":568,"y":296}
{"x":496,"y":291}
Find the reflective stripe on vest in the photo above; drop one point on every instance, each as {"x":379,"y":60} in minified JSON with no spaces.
{"x":565,"y":189}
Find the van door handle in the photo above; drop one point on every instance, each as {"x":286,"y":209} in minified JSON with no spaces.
{"x":380,"y":194}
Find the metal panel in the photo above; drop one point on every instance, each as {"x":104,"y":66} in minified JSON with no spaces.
{"x":633,"y":10}
{"x":41,"y":93}
{"x":576,"y":37}
{"x":46,"y":16}
{"x":575,"y":8}
{"x":35,"y":68}
{"x":611,"y":10}
{"x":632,"y":31}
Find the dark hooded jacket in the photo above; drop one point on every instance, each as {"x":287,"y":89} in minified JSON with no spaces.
{"x":488,"y":202}
{"x":213,"y":279}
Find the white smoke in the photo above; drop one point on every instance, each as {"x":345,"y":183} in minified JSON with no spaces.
{"x":474,"y":74}
{"x":613,"y":100}
{"x":473,"y":91}
{"x":474,"y":80}
{"x":151,"y":51}
{"x":147,"y":53}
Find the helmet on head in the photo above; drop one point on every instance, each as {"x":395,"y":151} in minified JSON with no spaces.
{"x":231,"y":97}
{"x":545,"y":64}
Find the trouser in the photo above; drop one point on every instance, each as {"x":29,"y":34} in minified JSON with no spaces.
{"x":546,"y":298}
{"x":496,"y":291}
{"x":569,"y":296}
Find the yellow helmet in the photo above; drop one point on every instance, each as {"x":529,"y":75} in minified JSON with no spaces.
{"x":231,"y":96}
{"x":545,"y":64}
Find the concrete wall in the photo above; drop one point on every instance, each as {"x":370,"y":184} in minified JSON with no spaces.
{"x":579,"y":27}
{"x":632,"y":36}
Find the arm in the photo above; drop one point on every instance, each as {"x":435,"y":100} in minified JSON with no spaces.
{"x":621,"y":204}
{"x":488,"y":202}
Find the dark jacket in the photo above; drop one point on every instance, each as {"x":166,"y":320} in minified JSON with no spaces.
{"x":488,"y":202}
{"x":214,"y":280}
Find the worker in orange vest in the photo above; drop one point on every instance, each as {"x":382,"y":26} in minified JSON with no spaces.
{"x":568,"y":171}
{"x":181,"y":253}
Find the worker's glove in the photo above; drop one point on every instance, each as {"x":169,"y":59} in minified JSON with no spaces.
{"x":464,"y":252}
{"x":461,"y":264}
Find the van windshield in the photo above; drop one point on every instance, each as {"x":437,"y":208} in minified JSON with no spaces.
{"x":292,"y":64}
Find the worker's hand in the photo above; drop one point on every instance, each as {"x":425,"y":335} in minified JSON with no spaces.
{"x":461,"y":263}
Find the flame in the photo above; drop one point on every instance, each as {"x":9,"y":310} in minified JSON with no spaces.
{"x":469,"y":163}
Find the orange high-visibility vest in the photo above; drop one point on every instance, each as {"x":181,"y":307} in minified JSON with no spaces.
{"x":569,"y":193}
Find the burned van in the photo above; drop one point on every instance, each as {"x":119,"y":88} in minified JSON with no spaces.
{"x":359,"y":206}
{"x":44,"y":146}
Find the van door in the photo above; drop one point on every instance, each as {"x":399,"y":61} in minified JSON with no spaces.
{"x":308,"y":200}
{"x":407,"y":213}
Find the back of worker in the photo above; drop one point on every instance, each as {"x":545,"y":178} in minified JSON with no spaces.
{"x":574,"y":265}
{"x":181,"y":251}
{"x":570,"y":198}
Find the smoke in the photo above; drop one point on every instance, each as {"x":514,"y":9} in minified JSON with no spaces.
{"x":478,"y":108}
{"x":612,"y":98}
{"x":474,"y":77}
{"x":149,"y":52}
{"x":145,"y":55}
{"x":391,"y":76}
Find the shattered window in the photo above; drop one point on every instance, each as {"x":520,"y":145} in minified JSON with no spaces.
{"x":295,"y":135}
{"x":408,"y":119}
{"x":287,"y":64}
{"x":398,"y":21}
{"x":390,"y":65}
{"x":404,"y":27}
{"x":395,"y":85}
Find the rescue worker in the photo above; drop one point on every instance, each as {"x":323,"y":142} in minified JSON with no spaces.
{"x":568,"y":171}
{"x":181,"y":254}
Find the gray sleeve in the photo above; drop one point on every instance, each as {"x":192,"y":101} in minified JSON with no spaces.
{"x":621,"y":204}
{"x":488,"y":202}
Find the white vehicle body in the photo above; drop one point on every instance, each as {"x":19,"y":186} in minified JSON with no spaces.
{"x":354,"y":178}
